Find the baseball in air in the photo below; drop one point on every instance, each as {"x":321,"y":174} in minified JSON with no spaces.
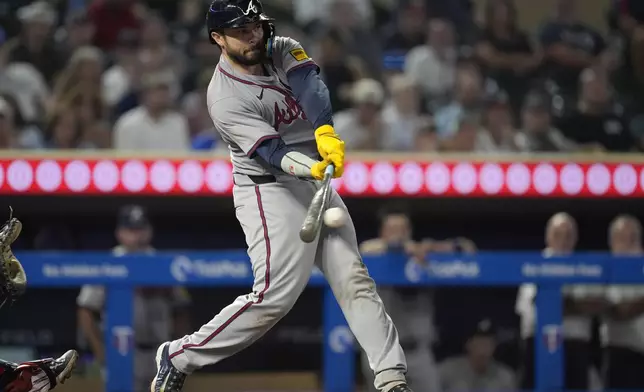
{"x":335,"y":217}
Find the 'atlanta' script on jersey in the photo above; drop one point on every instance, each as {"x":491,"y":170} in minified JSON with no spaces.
{"x":290,"y":112}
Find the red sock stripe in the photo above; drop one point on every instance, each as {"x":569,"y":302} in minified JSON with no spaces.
{"x":260,"y":296}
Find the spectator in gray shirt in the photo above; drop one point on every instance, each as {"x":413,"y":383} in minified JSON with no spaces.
{"x":477,"y":370}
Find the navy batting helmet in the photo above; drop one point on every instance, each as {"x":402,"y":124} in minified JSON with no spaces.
{"x":225,"y":14}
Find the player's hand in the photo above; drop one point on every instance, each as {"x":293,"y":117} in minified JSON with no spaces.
{"x":317,"y":170}
{"x":331,"y":148}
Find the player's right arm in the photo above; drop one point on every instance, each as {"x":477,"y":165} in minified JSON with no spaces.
{"x":241,"y":123}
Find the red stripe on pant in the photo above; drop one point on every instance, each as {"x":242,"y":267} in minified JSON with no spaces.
{"x":260,"y":296}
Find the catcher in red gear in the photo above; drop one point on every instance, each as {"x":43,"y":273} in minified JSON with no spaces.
{"x":33,"y":376}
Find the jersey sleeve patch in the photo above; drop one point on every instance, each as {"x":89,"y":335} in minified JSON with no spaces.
{"x":299,"y":54}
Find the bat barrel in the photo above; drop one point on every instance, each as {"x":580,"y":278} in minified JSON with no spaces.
{"x":313,"y":220}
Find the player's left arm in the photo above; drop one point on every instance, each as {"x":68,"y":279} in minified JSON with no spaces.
{"x":313,"y":96}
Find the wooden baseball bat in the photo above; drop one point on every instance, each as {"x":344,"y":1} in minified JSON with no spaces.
{"x":319,"y":203}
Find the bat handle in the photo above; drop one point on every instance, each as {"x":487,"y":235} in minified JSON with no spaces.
{"x":329,"y":170}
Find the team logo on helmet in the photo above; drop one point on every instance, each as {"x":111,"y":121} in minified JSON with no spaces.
{"x":252,"y":7}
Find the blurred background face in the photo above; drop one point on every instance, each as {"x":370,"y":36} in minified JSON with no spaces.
{"x":411,"y":20}
{"x":499,"y":117}
{"x":407,"y":99}
{"x":440,"y":33}
{"x":469,"y":86}
{"x":80,"y":33}
{"x":395,"y":229}
{"x":37,"y":31}
{"x":480,"y":351}
{"x":595,"y":89}
{"x":367,"y":112}
{"x":158,"y":98}
{"x":624,"y":237}
{"x":331,"y":49}
{"x":90,"y":70}
{"x":561,"y":235}
{"x":134,"y":238}
{"x":343,"y":14}
{"x":65,"y":130}
{"x":501,"y":14}
{"x":535,"y":120}
{"x":153,"y":32}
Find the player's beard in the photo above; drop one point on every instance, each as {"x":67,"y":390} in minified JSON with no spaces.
{"x":253,"y":56}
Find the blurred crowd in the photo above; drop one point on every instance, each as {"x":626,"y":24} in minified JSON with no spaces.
{"x":404,"y":75}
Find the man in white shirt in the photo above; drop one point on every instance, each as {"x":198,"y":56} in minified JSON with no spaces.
{"x":581,"y":303}
{"x":433,"y":66}
{"x":153,"y":125}
{"x":158,"y":311}
{"x":624,"y":320}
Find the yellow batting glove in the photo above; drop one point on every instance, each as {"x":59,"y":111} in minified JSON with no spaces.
{"x":331,"y":148}
{"x":317,"y":170}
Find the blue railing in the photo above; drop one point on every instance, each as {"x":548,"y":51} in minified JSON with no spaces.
{"x":231,"y":268}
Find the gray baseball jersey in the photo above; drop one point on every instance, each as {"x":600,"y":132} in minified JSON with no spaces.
{"x":248,"y":109}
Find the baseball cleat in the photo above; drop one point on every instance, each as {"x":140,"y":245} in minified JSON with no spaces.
{"x":57,"y":370}
{"x":168,"y":378}
{"x":401,"y":388}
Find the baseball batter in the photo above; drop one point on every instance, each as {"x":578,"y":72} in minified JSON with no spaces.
{"x":272,"y":109}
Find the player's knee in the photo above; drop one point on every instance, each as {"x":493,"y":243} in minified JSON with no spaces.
{"x":356,"y":285}
{"x":274,"y":309}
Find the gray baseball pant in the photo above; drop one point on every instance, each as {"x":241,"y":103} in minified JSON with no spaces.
{"x":271,"y":215}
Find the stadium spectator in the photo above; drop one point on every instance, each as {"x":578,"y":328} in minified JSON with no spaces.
{"x":119,"y":80}
{"x":156,"y":51}
{"x":7,"y":126}
{"x":626,"y":19}
{"x":408,"y":30}
{"x":464,"y":139}
{"x":111,"y":18}
{"x":159,"y":313}
{"x":570,"y":46}
{"x":63,"y":130}
{"x":624,"y":318}
{"x":401,"y":115}
{"x":538,"y":133}
{"x":505,"y":51}
{"x":581,"y":303}
{"x":362,"y":127}
{"x":339,"y":69}
{"x":467,"y":97}
{"x":432,"y":65}
{"x":314,"y":16}
{"x":411,"y":309}
{"x":597,"y":117}
{"x":497,"y":132}
{"x":202,"y":131}
{"x":426,"y":139}
{"x":34,"y":44}
{"x":79,"y":85}
{"x":345,"y":18}
{"x":477,"y":370}
{"x":24,"y":135}
{"x":153,"y":125}
{"x":26,"y":85}
{"x":77,"y":32}
{"x":204,"y":57}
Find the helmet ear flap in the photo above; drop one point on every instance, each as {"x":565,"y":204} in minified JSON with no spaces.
{"x":269,"y":34}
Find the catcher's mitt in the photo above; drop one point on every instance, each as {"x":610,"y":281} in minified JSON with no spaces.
{"x":13,"y":280}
